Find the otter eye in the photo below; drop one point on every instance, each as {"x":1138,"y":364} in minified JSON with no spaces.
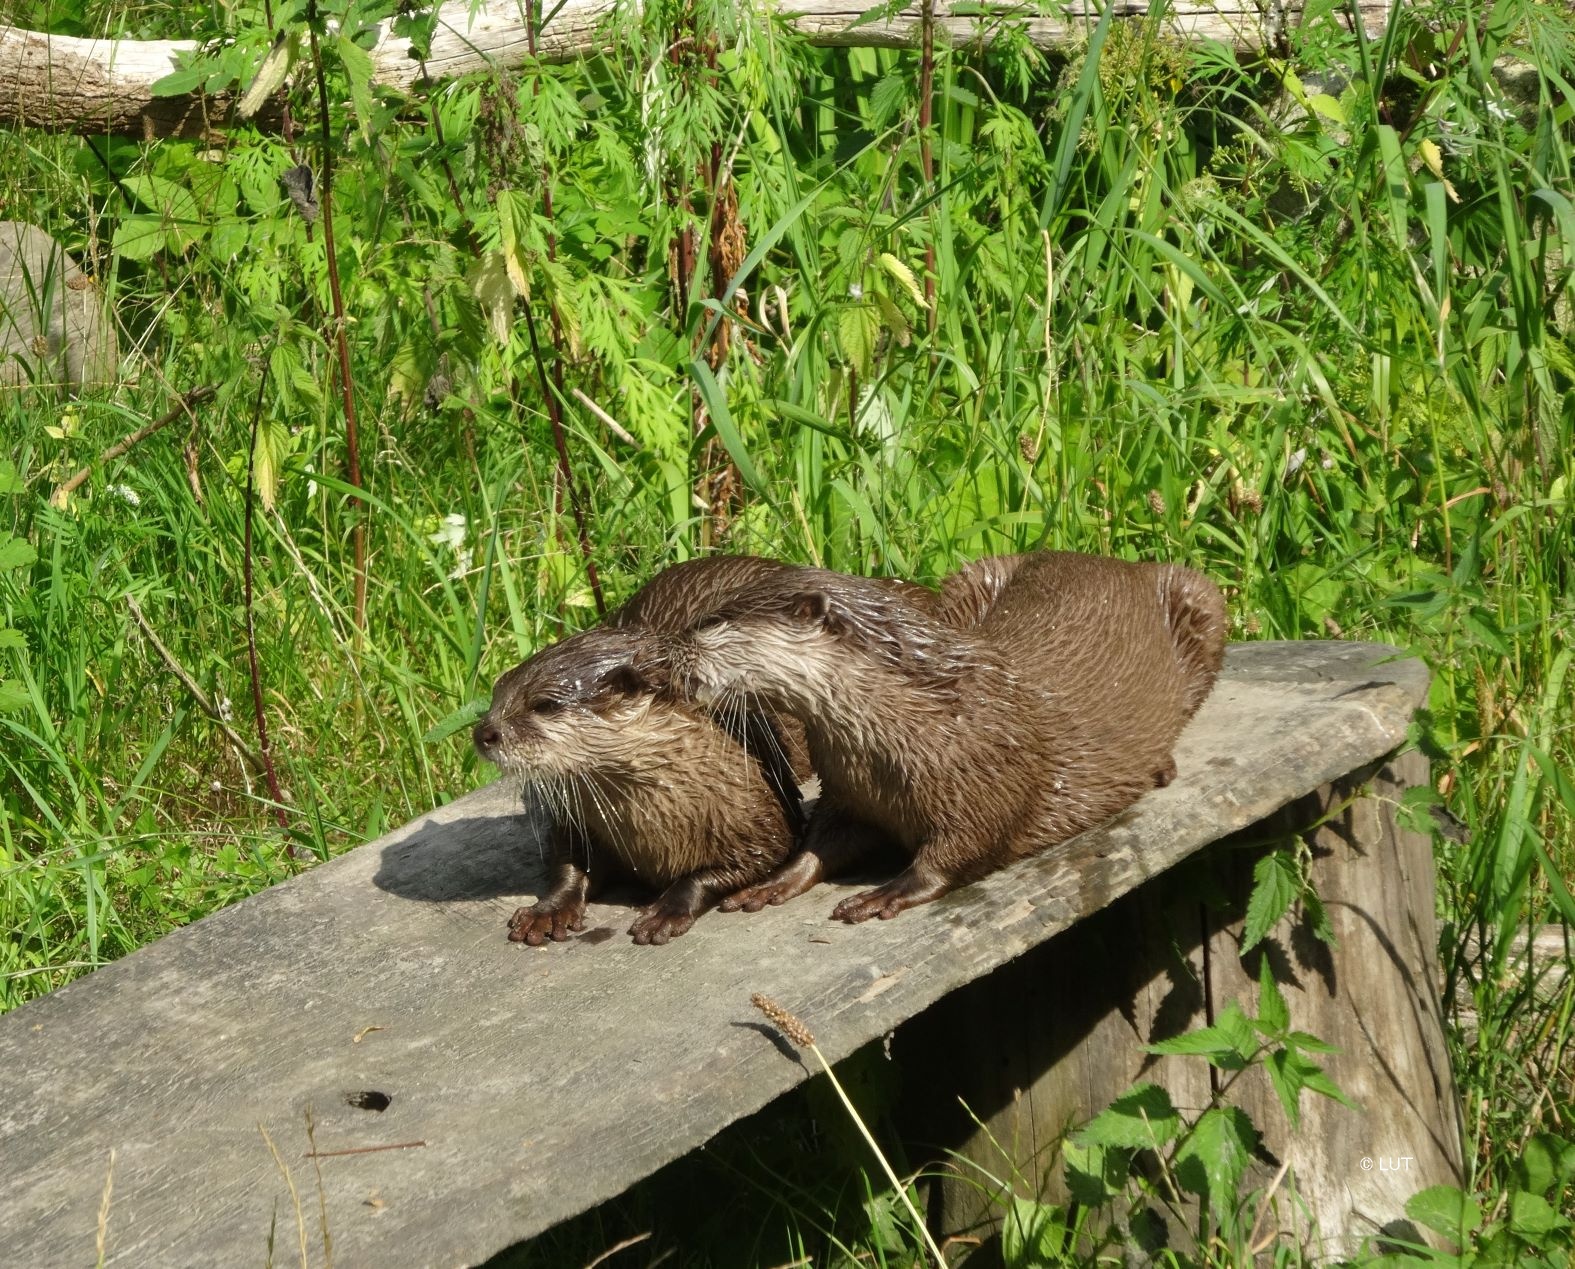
{"x":710,"y":621}
{"x":547,"y":705}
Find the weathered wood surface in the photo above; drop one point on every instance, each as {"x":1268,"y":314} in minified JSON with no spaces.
{"x":92,"y":85}
{"x":541,"y":1081}
{"x":55,"y":326}
{"x":1045,"y":1041}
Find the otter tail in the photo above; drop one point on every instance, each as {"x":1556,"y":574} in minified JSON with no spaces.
{"x":1195,"y":617}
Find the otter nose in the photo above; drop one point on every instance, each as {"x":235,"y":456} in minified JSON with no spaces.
{"x":486,"y":735}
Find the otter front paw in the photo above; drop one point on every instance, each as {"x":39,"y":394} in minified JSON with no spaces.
{"x":906,"y":890}
{"x":803,"y":872}
{"x":555,"y":921}
{"x":659,"y":923}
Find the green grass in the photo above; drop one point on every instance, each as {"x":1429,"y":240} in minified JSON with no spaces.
{"x":1187,"y":306}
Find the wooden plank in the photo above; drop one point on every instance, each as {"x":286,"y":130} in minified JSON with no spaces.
{"x":93,"y":85}
{"x":542,"y":1080}
{"x":1050,"y":1039}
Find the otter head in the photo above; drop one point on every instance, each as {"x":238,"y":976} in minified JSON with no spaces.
{"x":563,"y":713}
{"x":805,"y":648}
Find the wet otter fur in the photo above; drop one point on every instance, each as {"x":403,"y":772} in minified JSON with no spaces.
{"x":636,"y":781}
{"x":1039,"y":697}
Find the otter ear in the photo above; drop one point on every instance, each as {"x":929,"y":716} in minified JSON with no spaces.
{"x":624,"y":680}
{"x":812,"y":607}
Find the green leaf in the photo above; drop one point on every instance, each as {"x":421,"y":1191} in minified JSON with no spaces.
{"x":12,"y":640}
{"x":1141,"y":1117}
{"x":358,"y":70}
{"x":722,"y":420}
{"x":896,"y":320}
{"x":513,"y":230}
{"x":1329,"y":107}
{"x":16,"y":553}
{"x":1546,"y":1162}
{"x":1446,"y":1210}
{"x":1215,"y":1154}
{"x":1229,"y":1043}
{"x":1032,"y":1234}
{"x":12,"y":697}
{"x":1275,"y":883}
{"x":464,"y":716}
{"x":139,"y":237}
{"x":1094,"y":1174}
{"x":1287,"y":1082}
{"x":179,"y":83}
{"x":858,"y":327}
{"x":1318,"y":919}
{"x":10,"y":479}
{"x":1532,"y":1216}
{"x":1274,"y":1015}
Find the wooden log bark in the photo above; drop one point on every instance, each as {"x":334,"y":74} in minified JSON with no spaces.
{"x":92,"y":85}
{"x":1044,"y":1043}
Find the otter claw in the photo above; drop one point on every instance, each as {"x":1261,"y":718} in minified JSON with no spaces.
{"x":536,"y":925}
{"x":803,"y":872}
{"x":656,"y":927}
{"x":904,"y":891}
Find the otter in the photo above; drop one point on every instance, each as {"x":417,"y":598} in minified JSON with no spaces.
{"x":1040,"y":695}
{"x":633,"y":783}
{"x":636,"y":781}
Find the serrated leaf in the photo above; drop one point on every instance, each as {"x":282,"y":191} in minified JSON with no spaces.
{"x":1446,"y":1210}
{"x":1318,"y":920}
{"x":12,"y":697}
{"x":273,"y":443}
{"x":464,"y":716}
{"x":904,"y":276}
{"x":858,"y":327}
{"x":1532,"y":1216}
{"x":1032,"y":1234}
{"x":1141,"y":1117}
{"x":12,"y":640}
{"x":1214,"y":1156}
{"x":1275,"y":883}
{"x":10,"y":478}
{"x":1274,"y":1015}
{"x":513,"y":219}
{"x":1093,"y":1173}
{"x":489,"y":283}
{"x":896,"y":320}
{"x":358,"y":70}
{"x":271,"y":72}
{"x":138,"y":237}
{"x":16,"y":553}
{"x":179,"y":83}
{"x":1285,"y":1076}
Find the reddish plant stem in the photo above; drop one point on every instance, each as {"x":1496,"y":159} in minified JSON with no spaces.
{"x":926,"y":158}
{"x":264,"y":744}
{"x":553,"y":393}
{"x":341,"y":337}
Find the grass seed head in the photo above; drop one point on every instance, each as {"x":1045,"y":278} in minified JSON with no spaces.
{"x":787,"y":1023}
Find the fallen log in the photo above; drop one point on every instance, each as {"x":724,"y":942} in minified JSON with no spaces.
{"x":68,"y":84}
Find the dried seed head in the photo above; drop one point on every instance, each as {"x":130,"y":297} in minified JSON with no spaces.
{"x":788,"y":1024}
{"x":1156,"y":502}
{"x":1252,"y":625}
{"x":1028,"y":446}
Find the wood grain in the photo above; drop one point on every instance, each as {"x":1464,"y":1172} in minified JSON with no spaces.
{"x":544,"y":1080}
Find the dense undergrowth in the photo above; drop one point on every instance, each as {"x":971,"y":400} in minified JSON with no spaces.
{"x":1303,"y":321}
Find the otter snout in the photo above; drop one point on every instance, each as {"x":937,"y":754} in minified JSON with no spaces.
{"x":487,"y":736}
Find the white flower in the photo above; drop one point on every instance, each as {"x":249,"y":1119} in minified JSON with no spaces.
{"x":856,"y":290}
{"x":451,"y":534}
{"x":1499,"y":111}
{"x":1294,"y":463}
{"x":226,"y":709}
{"x":126,"y":494}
